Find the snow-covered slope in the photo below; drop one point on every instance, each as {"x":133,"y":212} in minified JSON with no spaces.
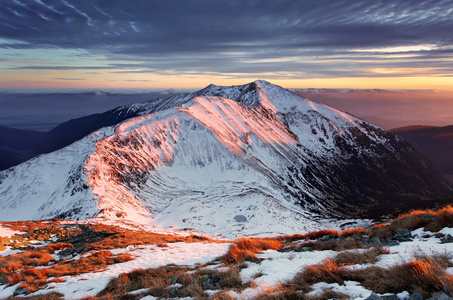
{"x":224,"y":160}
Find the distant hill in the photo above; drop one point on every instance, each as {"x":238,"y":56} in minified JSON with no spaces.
{"x":436,"y":143}
{"x":17,"y":145}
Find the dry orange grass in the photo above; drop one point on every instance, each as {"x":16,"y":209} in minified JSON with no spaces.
{"x":48,"y":296}
{"x":424,"y":275}
{"x":20,"y":267}
{"x":432,"y":220}
{"x":444,"y":218}
{"x":99,"y":236}
{"x":30,"y":278}
{"x":15,"y":278}
{"x":117,"y":237}
{"x":330,"y":294}
{"x":313,"y":235}
{"x":156,"y":281}
{"x":222,"y":295}
{"x":97,"y":261}
{"x":328,"y":271}
{"x":352,"y":231}
{"x":28,"y":225}
{"x":40,"y":256}
{"x":354,"y":257}
{"x":17,"y":261}
{"x":41,"y":229}
{"x":320,"y":233}
{"x":247,"y":248}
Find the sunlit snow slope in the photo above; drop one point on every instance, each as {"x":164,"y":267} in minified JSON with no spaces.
{"x":225,"y":160}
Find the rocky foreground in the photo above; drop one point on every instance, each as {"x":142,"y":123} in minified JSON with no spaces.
{"x":407,"y":258}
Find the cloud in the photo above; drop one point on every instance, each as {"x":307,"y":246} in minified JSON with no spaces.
{"x":62,"y":78}
{"x":61,"y":68}
{"x":138,"y":80}
{"x":301,"y":38}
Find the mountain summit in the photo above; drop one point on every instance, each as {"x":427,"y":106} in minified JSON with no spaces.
{"x":233,"y":160}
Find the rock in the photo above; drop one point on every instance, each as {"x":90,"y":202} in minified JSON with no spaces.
{"x":215,"y":278}
{"x":373,"y":297}
{"x":20,"y":291}
{"x":440,"y":296}
{"x":403,"y":239}
{"x":416,"y":296}
{"x":172,"y":280}
{"x":446,"y":239}
{"x":327,"y":238}
{"x":445,"y":297}
{"x":389,"y":297}
{"x":376,"y":241}
{"x":393,"y":243}
{"x":403,"y":235}
{"x":174,"y":293}
{"x":209,"y":282}
{"x":403,"y":232}
{"x":240,"y":218}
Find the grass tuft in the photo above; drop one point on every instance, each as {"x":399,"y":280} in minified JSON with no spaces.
{"x":245,"y":249}
{"x":355,"y":257}
{"x":431,"y":220}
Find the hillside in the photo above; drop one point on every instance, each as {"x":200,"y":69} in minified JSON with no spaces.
{"x":17,"y":145}
{"x":435,"y":143}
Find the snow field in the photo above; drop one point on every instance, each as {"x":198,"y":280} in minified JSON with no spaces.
{"x":4,"y":231}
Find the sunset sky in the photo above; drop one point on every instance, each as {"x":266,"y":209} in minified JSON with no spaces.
{"x":190,"y":44}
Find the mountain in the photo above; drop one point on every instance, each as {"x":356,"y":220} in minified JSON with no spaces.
{"x":233,"y":161}
{"x":16,"y":145}
{"x":436,"y":143}
{"x":75,"y":129}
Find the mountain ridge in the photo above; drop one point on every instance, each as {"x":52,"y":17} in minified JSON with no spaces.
{"x":207,"y":159}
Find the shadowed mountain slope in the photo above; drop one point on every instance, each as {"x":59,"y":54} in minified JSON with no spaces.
{"x":436,"y":143}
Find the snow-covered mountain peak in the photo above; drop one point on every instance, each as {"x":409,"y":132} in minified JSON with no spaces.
{"x":233,"y":161}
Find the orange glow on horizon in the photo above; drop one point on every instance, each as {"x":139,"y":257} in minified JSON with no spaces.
{"x":74,"y":79}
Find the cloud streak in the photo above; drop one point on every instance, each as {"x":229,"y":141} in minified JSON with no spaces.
{"x":292,"y":38}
